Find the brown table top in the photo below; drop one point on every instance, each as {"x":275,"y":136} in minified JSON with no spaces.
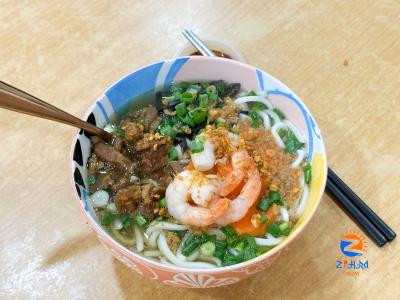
{"x":341,"y":57}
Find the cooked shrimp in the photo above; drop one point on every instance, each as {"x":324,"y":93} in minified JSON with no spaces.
{"x":177,"y":197}
{"x":202,"y":188}
{"x":241,"y":204}
{"x":204,"y":160}
{"x":241,"y":165}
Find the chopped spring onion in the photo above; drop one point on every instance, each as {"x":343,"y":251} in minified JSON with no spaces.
{"x":126,"y":221}
{"x":263,"y":249}
{"x":230,"y":233}
{"x":207,"y":249}
{"x":199,"y":115}
{"x":167,"y":130}
{"x":108,"y":219}
{"x":249,"y":253}
{"x":256,"y":120}
{"x":181,"y":110}
{"x":192,"y":242}
{"x":189,"y":121}
{"x":251,"y":242}
{"x":211,"y":89}
{"x":220,"y":246}
{"x":292,"y":144}
{"x":275,"y":197}
{"x":162,"y":203}
{"x":307,"y":173}
{"x":213,"y":96}
{"x":220,"y":86}
{"x":172,"y":154}
{"x":231,"y":259}
{"x":263,"y":204}
{"x":120,"y":132}
{"x":257,"y":106}
{"x":140,"y":220}
{"x":240,"y":246}
{"x":91,"y":179}
{"x":263,"y":218}
{"x":252,"y":93}
{"x":187,"y":98}
{"x":284,"y":228}
{"x":196,"y":146}
{"x":274,"y":230}
{"x":280,"y":114}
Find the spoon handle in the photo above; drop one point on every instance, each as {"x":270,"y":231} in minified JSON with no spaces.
{"x":17,"y":100}
{"x":197,"y":43}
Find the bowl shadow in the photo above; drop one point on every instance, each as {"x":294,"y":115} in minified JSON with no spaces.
{"x":71,"y":247}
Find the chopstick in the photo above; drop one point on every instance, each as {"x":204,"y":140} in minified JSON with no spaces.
{"x":368,"y":220}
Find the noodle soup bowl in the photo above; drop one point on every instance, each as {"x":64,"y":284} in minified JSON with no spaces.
{"x":128,"y":92}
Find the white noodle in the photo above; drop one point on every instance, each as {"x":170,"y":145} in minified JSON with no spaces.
{"x":192,"y":257}
{"x":211,"y":259}
{"x":152,"y":241}
{"x":273,"y":115}
{"x":284,"y":214}
{"x":163,"y":247}
{"x":269,"y":241}
{"x":253,"y":99}
{"x":220,"y":235}
{"x":139,"y":239}
{"x":301,"y":205}
{"x":275,"y":133}
{"x":152,"y":253}
{"x":165,"y":262}
{"x":164,"y":225}
{"x":266,"y":120}
{"x":300,"y":156}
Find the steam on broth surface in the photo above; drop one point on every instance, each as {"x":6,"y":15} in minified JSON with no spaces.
{"x":207,"y":176}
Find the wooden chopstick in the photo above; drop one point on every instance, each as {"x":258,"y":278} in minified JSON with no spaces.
{"x":369,"y":222}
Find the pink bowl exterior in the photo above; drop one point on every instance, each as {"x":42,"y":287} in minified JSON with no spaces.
{"x":184,"y":277}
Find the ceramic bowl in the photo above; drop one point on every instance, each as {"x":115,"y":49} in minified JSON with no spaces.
{"x":155,"y":77}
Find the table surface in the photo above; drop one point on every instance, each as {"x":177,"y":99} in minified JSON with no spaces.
{"x":341,"y":57}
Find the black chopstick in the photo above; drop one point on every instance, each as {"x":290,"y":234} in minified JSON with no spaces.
{"x":368,"y":220}
{"x":362,"y":206}
{"x":365,"y":224}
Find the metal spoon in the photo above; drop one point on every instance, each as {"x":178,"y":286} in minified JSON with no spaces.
{"x":17,"y":100}
{"x":197,"y":43}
